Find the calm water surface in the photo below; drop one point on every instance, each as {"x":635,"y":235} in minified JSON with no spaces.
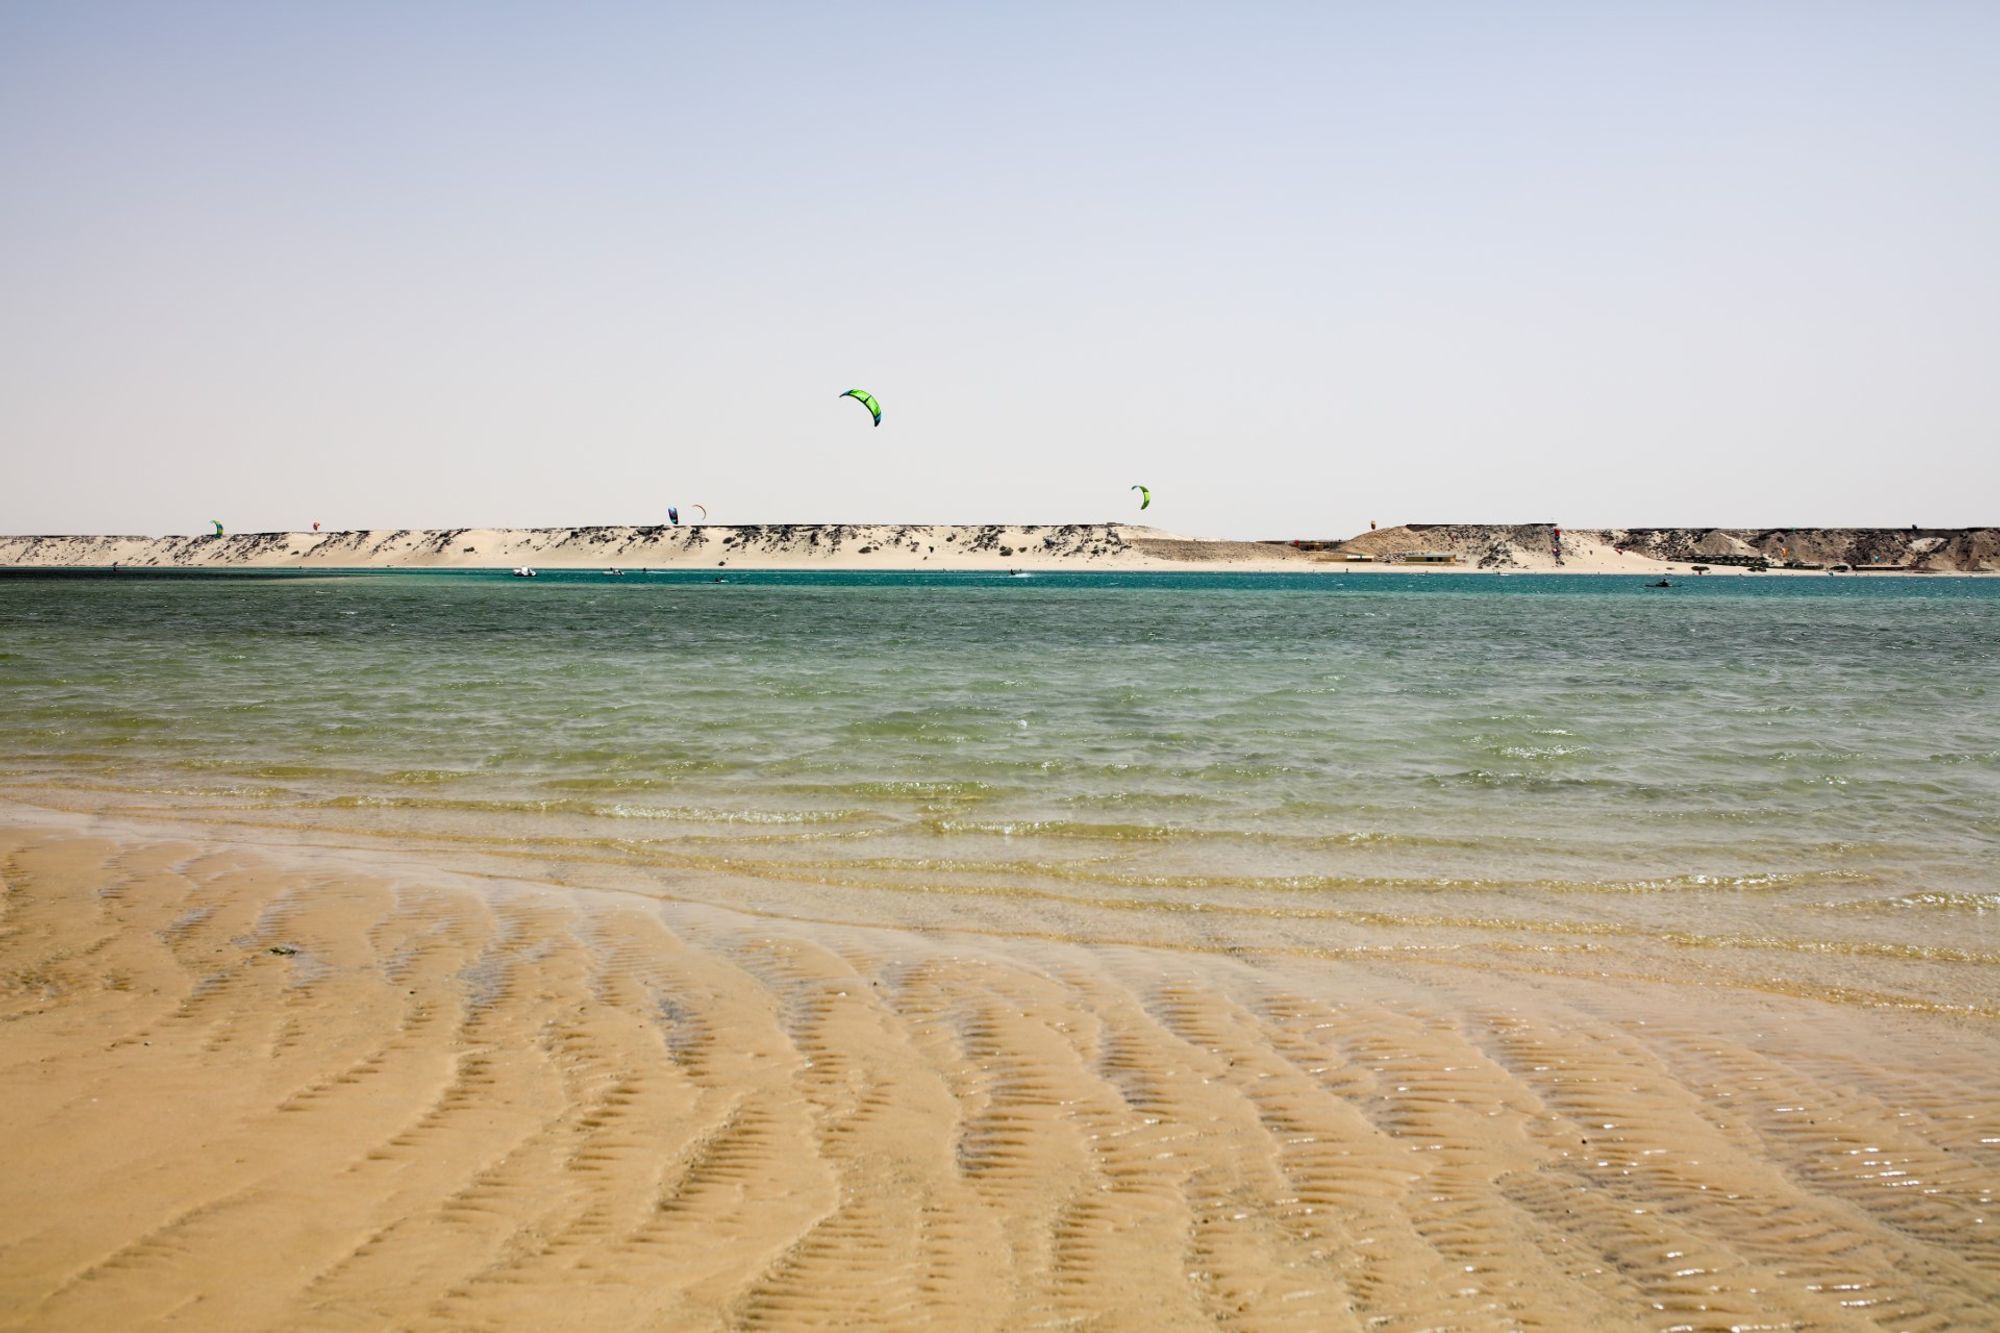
{"x":1745,"y":774}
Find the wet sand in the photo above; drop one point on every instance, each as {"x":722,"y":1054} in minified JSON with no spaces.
{"x":266,"y":1078}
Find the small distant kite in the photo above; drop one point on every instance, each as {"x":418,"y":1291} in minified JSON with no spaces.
{"x":704,"y":512}
{"x":1145,"y":496}
{"x":867,"y":400}
{"x":218,"y":526}
{"x":673,"y":516}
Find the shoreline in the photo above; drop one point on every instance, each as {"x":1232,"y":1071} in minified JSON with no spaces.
{"x":1162,"y":569}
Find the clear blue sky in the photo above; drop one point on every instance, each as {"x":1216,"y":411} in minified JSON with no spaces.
{"x":1296,"y":267}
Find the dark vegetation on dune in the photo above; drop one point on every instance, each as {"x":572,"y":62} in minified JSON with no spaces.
{"x":1502,"y":546}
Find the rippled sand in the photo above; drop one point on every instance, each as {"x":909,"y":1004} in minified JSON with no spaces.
{"x":259,"y":1079}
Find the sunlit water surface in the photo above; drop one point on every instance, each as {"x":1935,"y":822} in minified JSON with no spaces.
{"x":1794,"y":782}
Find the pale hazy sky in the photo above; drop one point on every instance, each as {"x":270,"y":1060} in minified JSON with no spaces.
{"x":1296,"y":267}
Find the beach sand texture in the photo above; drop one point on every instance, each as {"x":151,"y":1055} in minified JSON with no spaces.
{"x":267,"y":1078}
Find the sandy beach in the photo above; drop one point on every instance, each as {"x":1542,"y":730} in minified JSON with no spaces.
{"x":265,"y":1078}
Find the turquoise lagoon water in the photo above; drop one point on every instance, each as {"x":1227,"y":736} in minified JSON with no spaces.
{"x":1741,"y":774}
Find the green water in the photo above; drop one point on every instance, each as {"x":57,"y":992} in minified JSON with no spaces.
{"x":1429,"y":751}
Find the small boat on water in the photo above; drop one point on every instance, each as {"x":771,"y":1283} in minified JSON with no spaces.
{"x":523,"y":572}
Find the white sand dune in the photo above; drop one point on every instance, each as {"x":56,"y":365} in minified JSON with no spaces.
{"x":1116,"y":546}
{"x":778,"y":546}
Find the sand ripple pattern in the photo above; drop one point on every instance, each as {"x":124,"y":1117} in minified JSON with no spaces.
{"x":261,"y":1087}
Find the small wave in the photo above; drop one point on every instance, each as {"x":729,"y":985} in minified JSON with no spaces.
{"x":1488,"y":778}
{"x":595,"y":809}
{"x":1103,"y":871}
{"x":1769,"y":880}
{"x":788,"y":837}
{"x":1930,"y":953}
{"x":1122,"y":800}
{"x":1976,"y":903}
{"x":1966,"y":757}
{"x":1113,"y":832}
{"x":915,"y":789}
{"x":1058,"y":828}
{"x":606,"y":784}
{"x":700,"y":815}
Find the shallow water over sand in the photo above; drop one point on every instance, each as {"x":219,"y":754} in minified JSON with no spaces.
{"x":286,"y":1082}
{"x":1801,"y":769}
{"x":1240,"y":952}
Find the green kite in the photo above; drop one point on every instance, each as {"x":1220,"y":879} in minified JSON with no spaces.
{"x":867,"y":400}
